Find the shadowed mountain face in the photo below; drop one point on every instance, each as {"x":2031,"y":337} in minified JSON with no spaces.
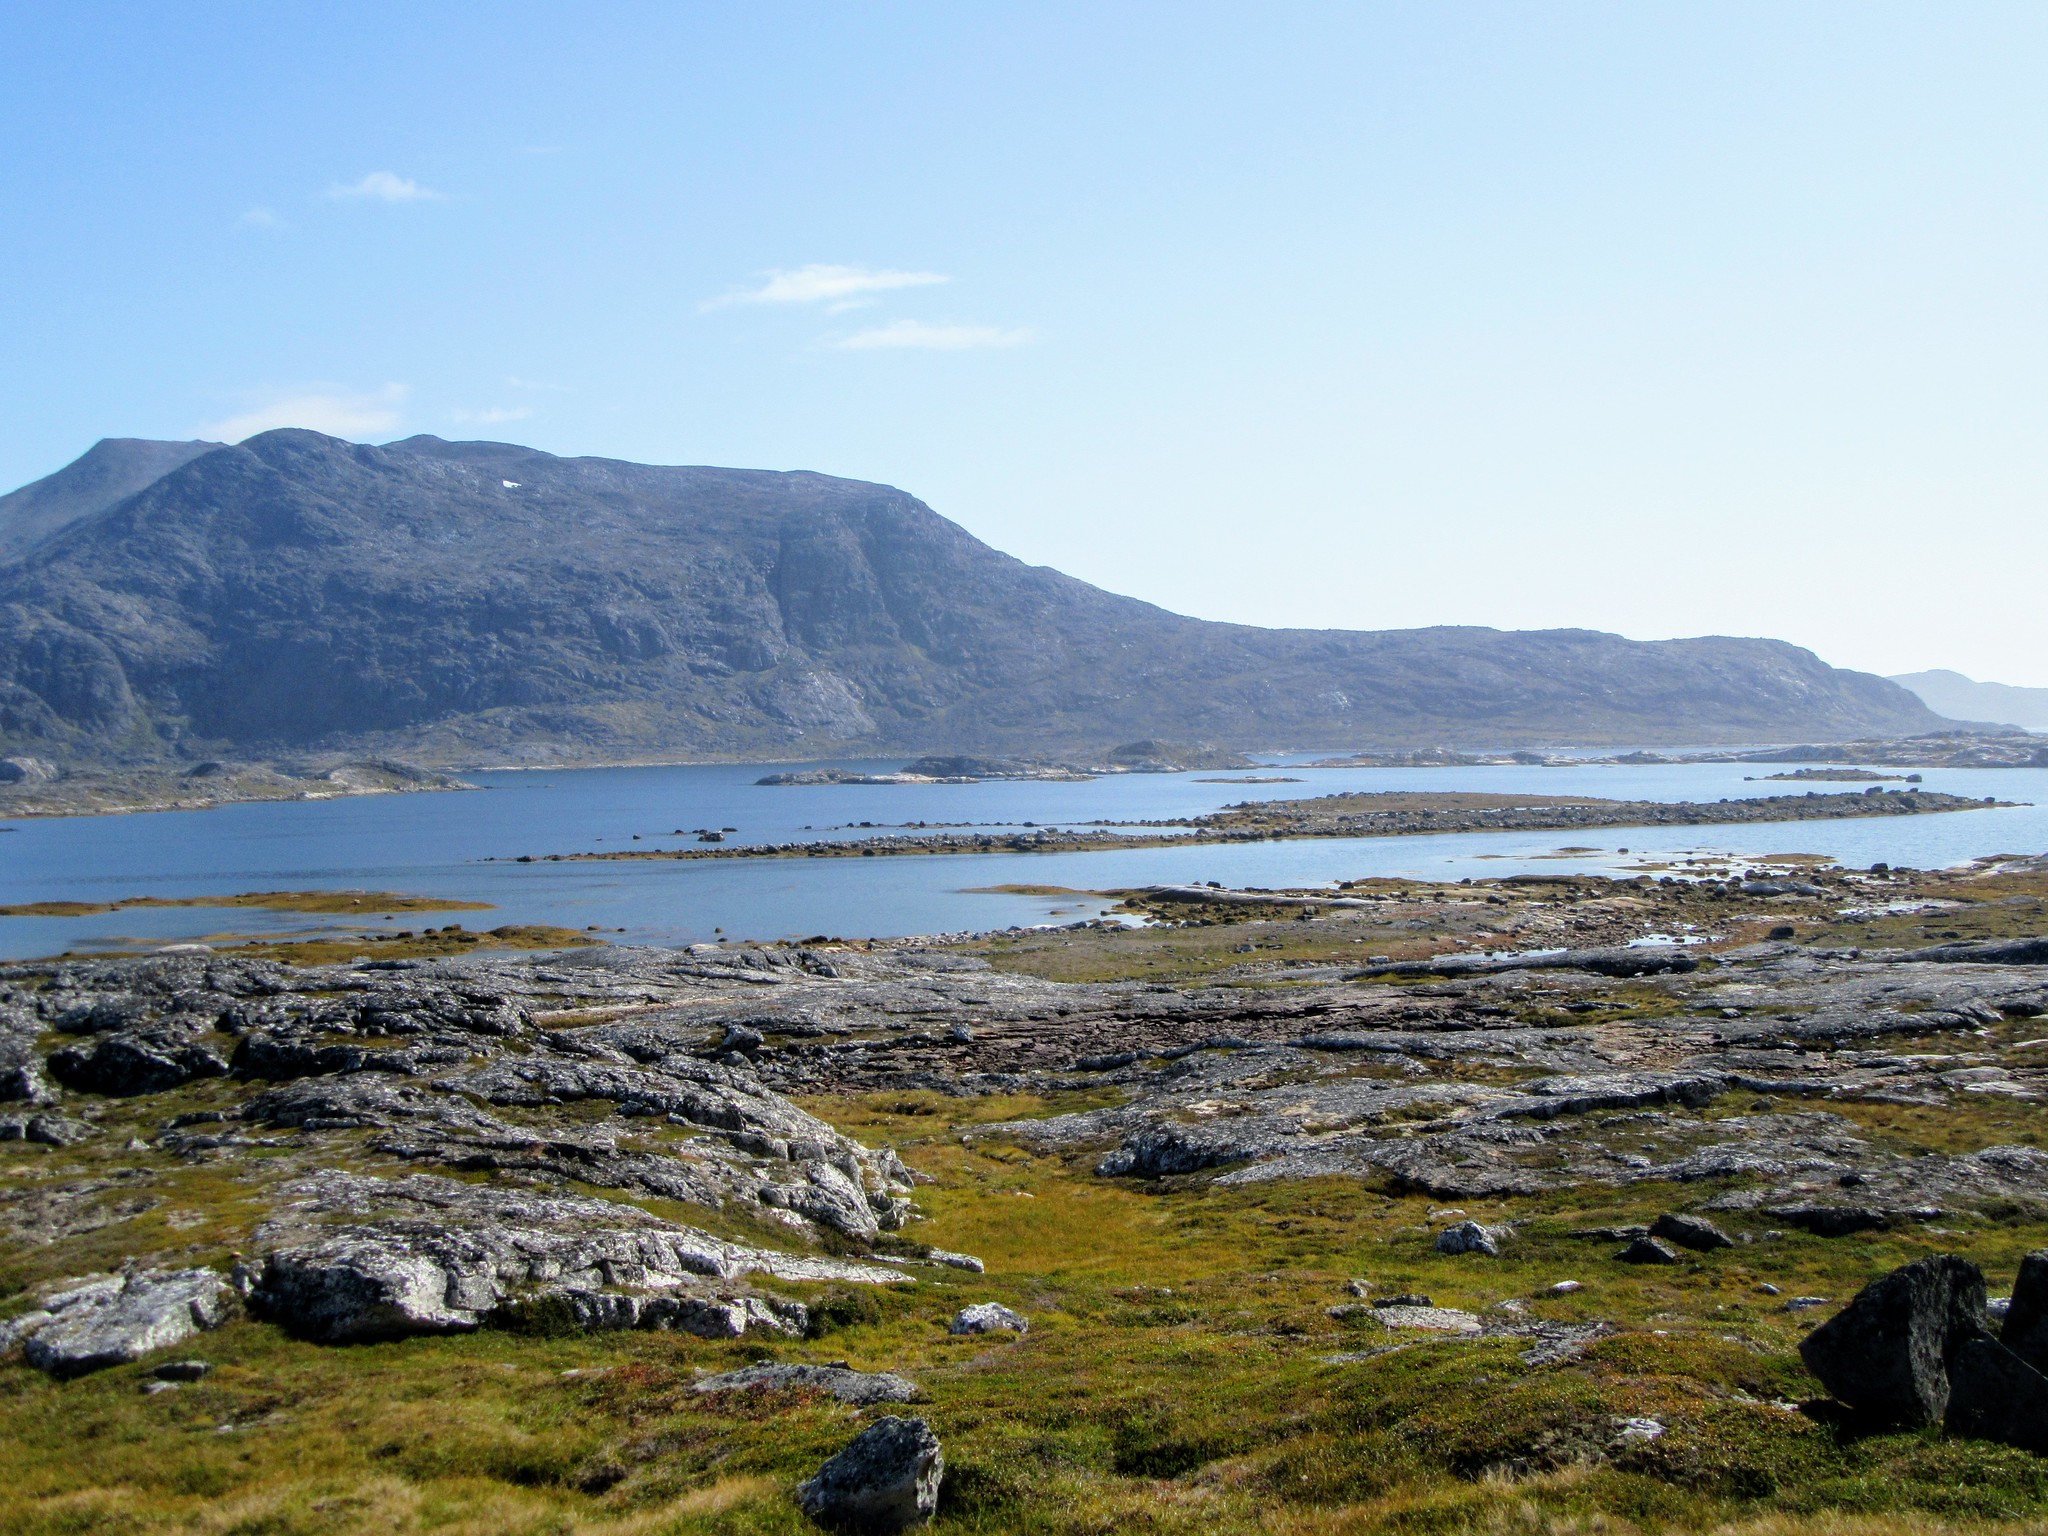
{"x":480,"y":602}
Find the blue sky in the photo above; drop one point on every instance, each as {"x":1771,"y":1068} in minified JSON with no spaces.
{"x":1660,"y":319}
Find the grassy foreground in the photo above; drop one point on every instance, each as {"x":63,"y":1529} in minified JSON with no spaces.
{"x":1174,"y":1380}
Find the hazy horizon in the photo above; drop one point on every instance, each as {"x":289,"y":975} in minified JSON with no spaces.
{"x":1664,"y":323}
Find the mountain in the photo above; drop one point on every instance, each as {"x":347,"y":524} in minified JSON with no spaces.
{"x":112,"y":470}
{"x":467,"y":603}
{"x":1963,"y":698}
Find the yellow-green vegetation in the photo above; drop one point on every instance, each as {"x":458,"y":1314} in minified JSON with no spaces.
{"x":1175,"y":1380}
{"x":269,"y":901}
{"x":404,"y":944}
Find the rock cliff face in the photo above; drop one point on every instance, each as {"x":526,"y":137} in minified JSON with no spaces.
{"x":474,"y":602}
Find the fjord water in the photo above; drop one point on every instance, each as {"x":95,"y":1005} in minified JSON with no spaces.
{"x":464,"y":846}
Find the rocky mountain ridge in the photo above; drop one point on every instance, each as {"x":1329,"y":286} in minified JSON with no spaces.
{"x":470,"y":603}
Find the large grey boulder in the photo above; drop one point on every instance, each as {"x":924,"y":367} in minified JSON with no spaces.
{"x":1886,"y":1353}
{"x":861,"y":1389}
{"x":1694,"y":1232}
{"x":117,"y":1319}
{"x":887,"y":1479}
{"x":1995,"y":1395}
{"x":2026,"y":1321}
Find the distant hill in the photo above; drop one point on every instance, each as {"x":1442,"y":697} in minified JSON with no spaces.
{"x":1963,"y":698}
{"x":112,"y":470}
{"x":466,"y":603}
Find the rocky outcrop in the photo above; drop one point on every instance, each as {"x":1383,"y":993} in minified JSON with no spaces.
{"x":434,"y":1255}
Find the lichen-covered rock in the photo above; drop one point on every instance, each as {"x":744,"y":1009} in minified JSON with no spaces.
{"x":130,"y":1062}
{"x":887,"y":1479}
{"x":860,"y":1389}
{"x":117,"y":1319}
{"x":1469,"y":1237}
{"x":988,"y":1317}
{"x":1886,"y":1353}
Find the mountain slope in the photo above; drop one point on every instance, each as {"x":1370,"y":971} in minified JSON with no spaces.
{"x":471,"y":602}
{"x":112,"y":470}
{"x":1964,"y":698}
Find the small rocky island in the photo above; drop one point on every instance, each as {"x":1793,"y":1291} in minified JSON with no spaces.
{"x":1132,"y":757}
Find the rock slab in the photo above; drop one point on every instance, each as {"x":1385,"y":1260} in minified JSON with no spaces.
{"x":119,"y":1319}
{"x":860,"y":1389}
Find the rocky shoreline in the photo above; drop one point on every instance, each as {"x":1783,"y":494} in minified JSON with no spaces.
{"x":31,"y":786}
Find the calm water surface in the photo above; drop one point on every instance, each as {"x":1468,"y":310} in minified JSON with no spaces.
{"x":438,"y":845}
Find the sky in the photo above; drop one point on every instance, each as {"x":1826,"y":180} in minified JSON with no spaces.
{"x":1659,"y":319}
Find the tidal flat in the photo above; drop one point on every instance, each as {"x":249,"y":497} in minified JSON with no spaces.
{"x":1192,"y":1155}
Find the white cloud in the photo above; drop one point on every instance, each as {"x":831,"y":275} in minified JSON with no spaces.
{"x":260,"y":218}
{"x":491,"y":415}
{"x":384,"y":187}
{"x":819,"y":283}
{"x":932,"y":338}
{"x":333,"y":412}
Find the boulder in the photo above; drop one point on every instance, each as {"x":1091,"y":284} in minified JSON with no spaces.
{"x":861,"y":1389}
{"x":1648,"y":1250}
{"x":887,"y":1479}
{"x":118,"y":1319}
{"x":1886,"y":1353}
{"x":52,"y":1130}
{"x":1469,"y":1237}
{"x":988,"y":1317}
{"x":2026,"y":1320}
{"x":1995,"y":1395}
{"x":1693,"y":1232}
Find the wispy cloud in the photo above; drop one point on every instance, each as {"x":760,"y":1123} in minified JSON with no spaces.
{"x":918,"y":334}
{"x":261,"y":218}
{"x":822,"y":284}
{"x":383,"y":187}
{"x":491,"y":415}
{"x":335,"y":412}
